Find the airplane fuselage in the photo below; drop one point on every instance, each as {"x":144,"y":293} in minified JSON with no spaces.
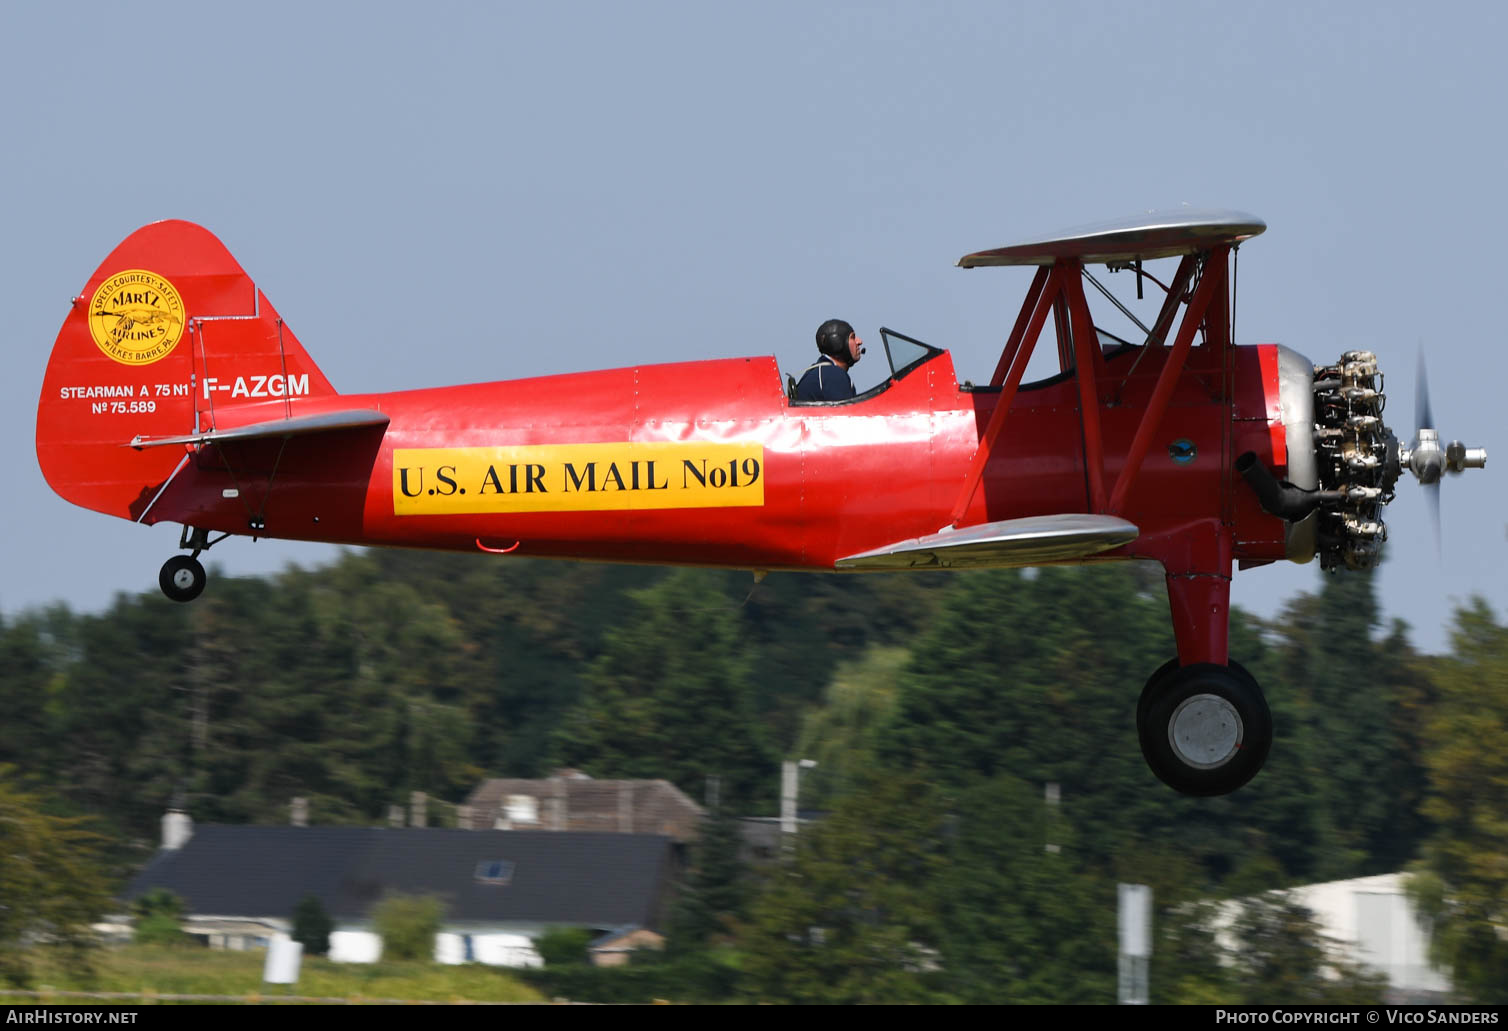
{"x":708,"y":463}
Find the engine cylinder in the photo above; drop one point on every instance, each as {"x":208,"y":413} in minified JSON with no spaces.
{"x":1357,"y":457}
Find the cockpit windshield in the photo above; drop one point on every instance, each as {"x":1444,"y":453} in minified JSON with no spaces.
{"x":1109,"y":342}
{"x":905,"y":353}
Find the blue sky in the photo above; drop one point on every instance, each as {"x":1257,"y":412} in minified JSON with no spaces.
{"x":470,"y":191}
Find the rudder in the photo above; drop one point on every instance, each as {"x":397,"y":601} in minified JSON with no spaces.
{"x":167,"y":336}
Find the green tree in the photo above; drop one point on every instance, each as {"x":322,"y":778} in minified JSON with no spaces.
{"x":407,"y":925}
{"x":312,"y":926}
{"x":800,"y":627}
{"x":1022,"y":922}
{"x":1033,"y":675}
{"x":715,"y":896}
{"x":119,"y":715}
{"x":849,"y":919}
{"x":564,"y":946}
{"x":529,"y":630}
{"x":1462,"y":881}
{"x":402,"y":663}
{"x":1410,"y":684}
{"x":669,"y":697}
{"x":1358,"y":736}
{"x":52,"y":885}
{"x":342,"y":689}
{"x":159,"y":918}
{"x":1187,"y":966}
{"x":842,"y":734}
{"x":24,"y":689}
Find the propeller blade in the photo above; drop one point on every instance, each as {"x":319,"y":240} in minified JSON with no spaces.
{"x":1423,"y":417}
{"x":1427,"y":471}
{"x":1432,"y":501}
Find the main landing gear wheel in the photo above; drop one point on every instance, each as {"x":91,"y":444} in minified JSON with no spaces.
{"x":182,"y":578}
{"x":1204,"y":729}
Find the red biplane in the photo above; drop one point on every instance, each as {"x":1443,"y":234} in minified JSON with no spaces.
{"x":175,"y":392}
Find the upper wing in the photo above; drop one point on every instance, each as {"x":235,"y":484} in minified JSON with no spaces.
{"x":1150,"y":236}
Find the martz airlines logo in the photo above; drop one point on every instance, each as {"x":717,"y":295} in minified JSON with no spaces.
{"x":136,"y":317}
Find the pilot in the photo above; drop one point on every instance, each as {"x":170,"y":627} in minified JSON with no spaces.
{"x":826,"y":379}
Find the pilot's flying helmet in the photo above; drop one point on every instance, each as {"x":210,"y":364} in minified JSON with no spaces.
{"x":832,"y":338}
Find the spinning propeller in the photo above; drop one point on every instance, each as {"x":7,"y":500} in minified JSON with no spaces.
{"x":1427,"y":460}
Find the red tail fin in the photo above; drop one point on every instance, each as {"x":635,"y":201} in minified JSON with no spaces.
{"x":167,"y":330}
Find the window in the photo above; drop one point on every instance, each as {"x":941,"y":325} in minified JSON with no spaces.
{"x":522,"y":809}
{"x":494,"y":871}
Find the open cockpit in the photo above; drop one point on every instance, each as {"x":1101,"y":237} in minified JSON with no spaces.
{"x":905,"y":354}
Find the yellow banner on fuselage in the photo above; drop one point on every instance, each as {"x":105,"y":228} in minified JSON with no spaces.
{"x":577,"y":477}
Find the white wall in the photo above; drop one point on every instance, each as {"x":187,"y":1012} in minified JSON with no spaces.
{"x":1374,"y":917}
{"x":355,"y":947}
{"x":494,"y":948}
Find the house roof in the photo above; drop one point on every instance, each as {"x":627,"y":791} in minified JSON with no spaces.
{"x":584,"y":804}
{"x":624,"y":939}
{"x":562,"y":877}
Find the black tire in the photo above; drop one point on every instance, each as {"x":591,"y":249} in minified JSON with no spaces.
{"x":1206,"y":729}
{"x":182,"y":578}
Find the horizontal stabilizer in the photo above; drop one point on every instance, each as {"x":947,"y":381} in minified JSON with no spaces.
{"x":273,"y":429}
{"x":1036,"y":540}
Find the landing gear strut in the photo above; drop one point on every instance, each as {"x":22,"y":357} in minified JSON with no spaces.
{"x":1203,"y":724}
{"x":1205,"y":729}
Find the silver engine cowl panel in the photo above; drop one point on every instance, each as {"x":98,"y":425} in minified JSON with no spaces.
{"x":1296,"y":402}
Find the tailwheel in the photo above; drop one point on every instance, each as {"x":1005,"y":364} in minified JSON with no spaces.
{"x":1204,"y":729}
{"x":182,"y":578}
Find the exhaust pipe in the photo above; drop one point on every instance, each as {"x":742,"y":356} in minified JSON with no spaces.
{"x":1283,"y":500}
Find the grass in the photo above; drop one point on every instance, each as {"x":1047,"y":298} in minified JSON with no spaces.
{"x":194,"y":970}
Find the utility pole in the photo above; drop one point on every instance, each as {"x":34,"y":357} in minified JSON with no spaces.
{"x":1136,"y":942}
{"x":790,"y":786}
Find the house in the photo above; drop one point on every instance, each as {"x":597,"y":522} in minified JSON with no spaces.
{"x":501,"y":889}
{"x":572,"y":801}
{"x":1370,"y":921}
{"x":1376,"y":923}
{"x":616,"y":947}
